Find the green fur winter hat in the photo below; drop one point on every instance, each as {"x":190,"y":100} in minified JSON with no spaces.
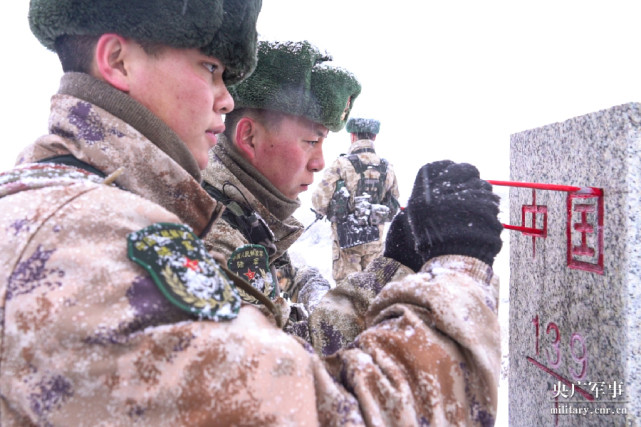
{"x":363,"y":126}
{"x":294,"y":78}
{"x":225,"y":29}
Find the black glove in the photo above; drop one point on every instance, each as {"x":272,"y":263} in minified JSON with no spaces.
{"x":399,"y":243}
{"x":453,"y":212}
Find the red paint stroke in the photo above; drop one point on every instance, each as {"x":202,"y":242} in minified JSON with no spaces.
{"x":554,"y":187}
{"x":564,"y":380}
{"x":584,"y":228}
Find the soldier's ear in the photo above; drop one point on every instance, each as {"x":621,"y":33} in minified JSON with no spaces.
{"x":245,"y":134}
{"x":110,"y":61}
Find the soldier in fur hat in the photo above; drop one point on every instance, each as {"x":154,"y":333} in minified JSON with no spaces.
{"x":268,"y":155}
{"x":359,"y":194}
{"x":115,"y":313}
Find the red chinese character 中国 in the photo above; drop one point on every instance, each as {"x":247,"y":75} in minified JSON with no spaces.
{"x":585,"y":232}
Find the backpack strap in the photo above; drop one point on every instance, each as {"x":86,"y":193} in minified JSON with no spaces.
{"x":363,"y":150}
{"x":360,"y":168}
{"x":358,"y":165}
{"x":382,"y":168}
{"x":245,"y":220}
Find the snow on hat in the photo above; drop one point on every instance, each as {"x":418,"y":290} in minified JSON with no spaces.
{"x":363,"y":126}
{"x":225,"y":29}
{"x":294,"y":78}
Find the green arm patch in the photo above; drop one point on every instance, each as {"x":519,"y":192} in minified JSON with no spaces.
{"x":251,"y":262}
{"x":183,"y":270}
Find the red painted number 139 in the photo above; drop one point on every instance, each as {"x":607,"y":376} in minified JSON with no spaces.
{"x":553,"y":354}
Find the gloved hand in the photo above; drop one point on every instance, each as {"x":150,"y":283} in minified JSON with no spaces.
{"x":399,"y":243}
{"x":453,"y":212}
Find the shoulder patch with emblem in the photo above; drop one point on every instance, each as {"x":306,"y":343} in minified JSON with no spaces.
{"x":184,"y":271}
{"x":251,"y":262}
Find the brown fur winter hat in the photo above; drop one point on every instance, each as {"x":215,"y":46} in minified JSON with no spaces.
{"x":295,"y":78}
{"x":225,"y":29}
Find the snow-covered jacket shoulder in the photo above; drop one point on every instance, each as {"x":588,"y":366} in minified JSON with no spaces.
{"x":89,"y":339}
{"x":454,"y":299}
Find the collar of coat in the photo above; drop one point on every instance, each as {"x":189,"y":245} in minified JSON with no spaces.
{"x":360,"y":144}
{"x":108,"y":141}
{"x":121,"y":105}
{"x":260,"y":187}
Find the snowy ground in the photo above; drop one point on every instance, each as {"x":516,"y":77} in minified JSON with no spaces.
{"x":315,"y":248}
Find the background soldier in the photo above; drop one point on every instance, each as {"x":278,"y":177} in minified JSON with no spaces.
{"x":358,"y":193}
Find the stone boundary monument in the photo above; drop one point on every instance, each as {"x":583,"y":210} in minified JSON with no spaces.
{"x":575,"y":268}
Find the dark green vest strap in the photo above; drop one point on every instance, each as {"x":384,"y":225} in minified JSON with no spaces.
{"x":363,"y":150}
{"x":69,"y":160}
{"x":364,"y":182}
{"x":246,"y":221}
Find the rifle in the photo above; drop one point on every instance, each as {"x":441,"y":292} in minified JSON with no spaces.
{"x":318,"y":217}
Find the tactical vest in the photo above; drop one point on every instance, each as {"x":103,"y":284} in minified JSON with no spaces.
{"x":375,"y":187}
{"x":243,"y":219}
{"x":340,"y":205}
{"x":353,"y":231}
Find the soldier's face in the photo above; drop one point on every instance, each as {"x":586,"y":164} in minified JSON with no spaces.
{"x":185,"y":89}
{"x":289,"y":153}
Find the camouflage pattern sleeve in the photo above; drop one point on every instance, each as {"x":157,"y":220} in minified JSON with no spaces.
{"x":325,"y":189}
{"x":430,"y":350}
{"x":340,"y":315}
{"x":310,"y":286}
{"x":390,"y":197}
{"x":303,"y":284}
{"x":88,"y":338}
{"x":306,"y":287}
{"x":391,"y":184}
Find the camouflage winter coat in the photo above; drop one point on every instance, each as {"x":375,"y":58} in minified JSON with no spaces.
{"x":241,"y":182}
{"x":342,"y":169}
{"x":88,"y":339}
